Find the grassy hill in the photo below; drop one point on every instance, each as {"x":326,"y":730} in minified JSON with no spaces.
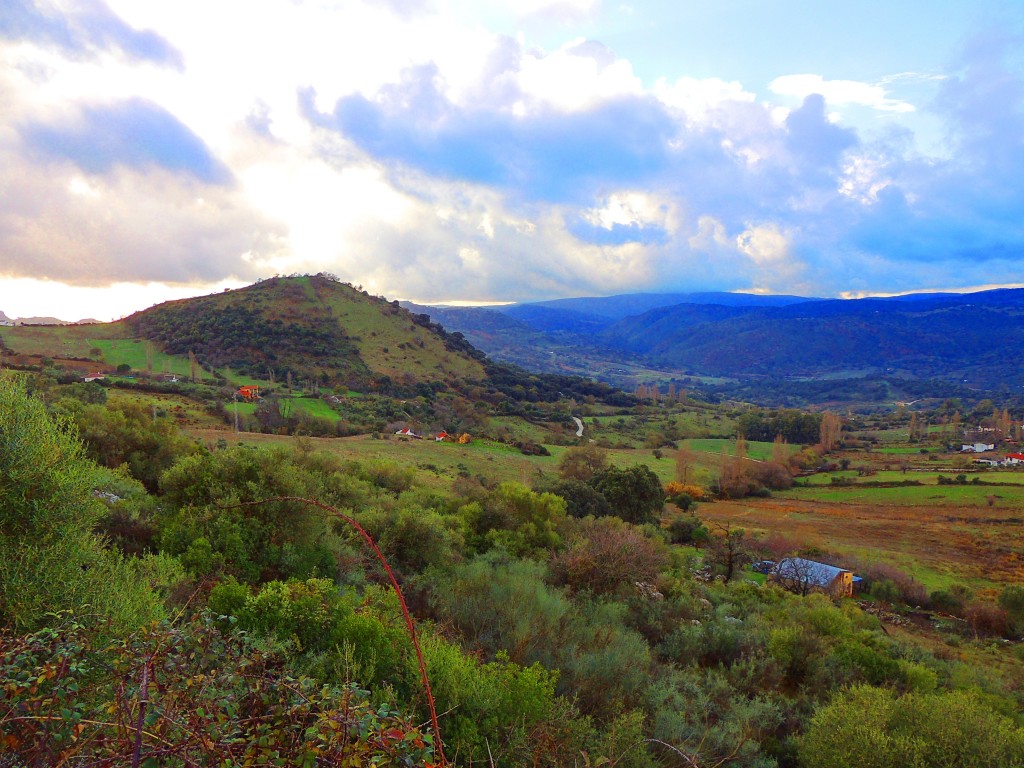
{"x":310,"y":327}
{"x":312,"y":331}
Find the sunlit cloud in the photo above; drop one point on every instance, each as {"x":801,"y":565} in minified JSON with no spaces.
{"x":431,"y":155}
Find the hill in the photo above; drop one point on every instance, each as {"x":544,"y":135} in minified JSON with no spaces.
{"x":310,"y":327}
{"x":313,"y":330}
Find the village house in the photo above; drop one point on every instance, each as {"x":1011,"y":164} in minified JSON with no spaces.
{"x":803,"y":576}
{"x":977,"y":448}
{"x":249,"y":392}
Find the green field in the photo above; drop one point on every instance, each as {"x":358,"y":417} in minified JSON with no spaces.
{"x":755,"y":450}
{"x":916,"y":495}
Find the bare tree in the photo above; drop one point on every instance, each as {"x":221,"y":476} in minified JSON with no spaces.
{"x":831,"y":427}
{"x":730,"y":550}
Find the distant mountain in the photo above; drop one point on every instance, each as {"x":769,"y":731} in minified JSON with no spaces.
{"x":971,"y":340}
{"x":630,"y":304}
{"x":977,"y":337}
{"x":40,"y":321}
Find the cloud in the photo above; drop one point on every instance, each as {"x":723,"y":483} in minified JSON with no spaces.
{"x":87,"y":29}
{"x":812,"y":137}
{"x":838,"y":92}
{"x":126,"y":225}
{"x":548,"y":156}
{"x":134,"y":133}
{"x":427,"y":157}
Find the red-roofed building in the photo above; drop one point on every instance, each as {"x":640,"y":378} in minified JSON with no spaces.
{"x":249,"y":392}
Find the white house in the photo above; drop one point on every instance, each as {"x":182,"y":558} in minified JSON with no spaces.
{"x":978,"y":448}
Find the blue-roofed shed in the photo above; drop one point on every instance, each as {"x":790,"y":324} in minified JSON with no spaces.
{"x":800,"y":575}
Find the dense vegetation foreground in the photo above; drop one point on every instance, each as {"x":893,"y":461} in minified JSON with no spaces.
{"x":189,"y":609}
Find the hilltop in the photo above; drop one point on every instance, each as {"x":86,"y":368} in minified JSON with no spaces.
{"x":310,"y":327}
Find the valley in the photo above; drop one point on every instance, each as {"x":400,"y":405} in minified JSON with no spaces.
{"x":613,"y":566}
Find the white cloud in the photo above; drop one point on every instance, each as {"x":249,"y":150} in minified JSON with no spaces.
{"x":626,"y":208}
{"x":839,"y":92}
{"x":573,"y":78}
{"x":698,"y":99}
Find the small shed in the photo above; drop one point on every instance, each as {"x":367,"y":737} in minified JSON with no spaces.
{"x":800,"y":575}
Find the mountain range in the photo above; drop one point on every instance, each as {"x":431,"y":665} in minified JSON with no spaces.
{"x":973,"y":340}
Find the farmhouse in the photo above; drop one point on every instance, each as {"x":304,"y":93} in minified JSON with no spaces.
{"x":407,"y":433}
{"x":1014,"y":458}
{"x":978,"y":448}
{"x":249,"y":392}
{"x":803,"y":576}
{"x":94,"y":377}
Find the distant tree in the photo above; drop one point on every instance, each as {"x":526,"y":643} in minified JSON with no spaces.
{"x":582,"y":462}
{"x":581,"y":499}
{"x":831,"y":427}
{"x":635,"y":493}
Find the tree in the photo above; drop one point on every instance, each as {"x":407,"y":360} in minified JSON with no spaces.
{"x":685,"y":461}
{"x":635,"y":493}
{"x":831,"y":428}
{"x":780,"y":451}
{"x":729,"y":550}
{"x":582,"y":462}
{"x":607,"y":556}
{"x":581,"y":499}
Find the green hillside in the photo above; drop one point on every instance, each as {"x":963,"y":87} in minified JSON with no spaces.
{"x":310,"y":327}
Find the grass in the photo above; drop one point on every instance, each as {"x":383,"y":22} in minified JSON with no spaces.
{"x":980,"y":546}
{"x":388,"y":343}
{"x":760,"y":451}
{"x":132,"y":352}
{"x":56,"y":340}
{"x":1011,"y":495}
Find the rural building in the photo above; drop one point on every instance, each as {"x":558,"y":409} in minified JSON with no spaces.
{"x":803,"y":576}
{"x":1014,"y":458}
{"x":978,"y":448}
{"x":407,"y":433}
{"x":94,"y":377}
{"x":249,"y":392}
{"x":440,"y":437}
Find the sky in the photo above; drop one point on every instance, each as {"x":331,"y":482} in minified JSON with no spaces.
{"x":514,"y":150}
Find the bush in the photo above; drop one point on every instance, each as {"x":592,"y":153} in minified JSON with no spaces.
{"x":607,"y":556}
{"x":867,"y":727}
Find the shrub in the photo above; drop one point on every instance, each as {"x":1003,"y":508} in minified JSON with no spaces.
{"x":607,"y":556}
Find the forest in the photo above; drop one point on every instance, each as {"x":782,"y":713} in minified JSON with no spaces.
{"x":166,"y":602}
